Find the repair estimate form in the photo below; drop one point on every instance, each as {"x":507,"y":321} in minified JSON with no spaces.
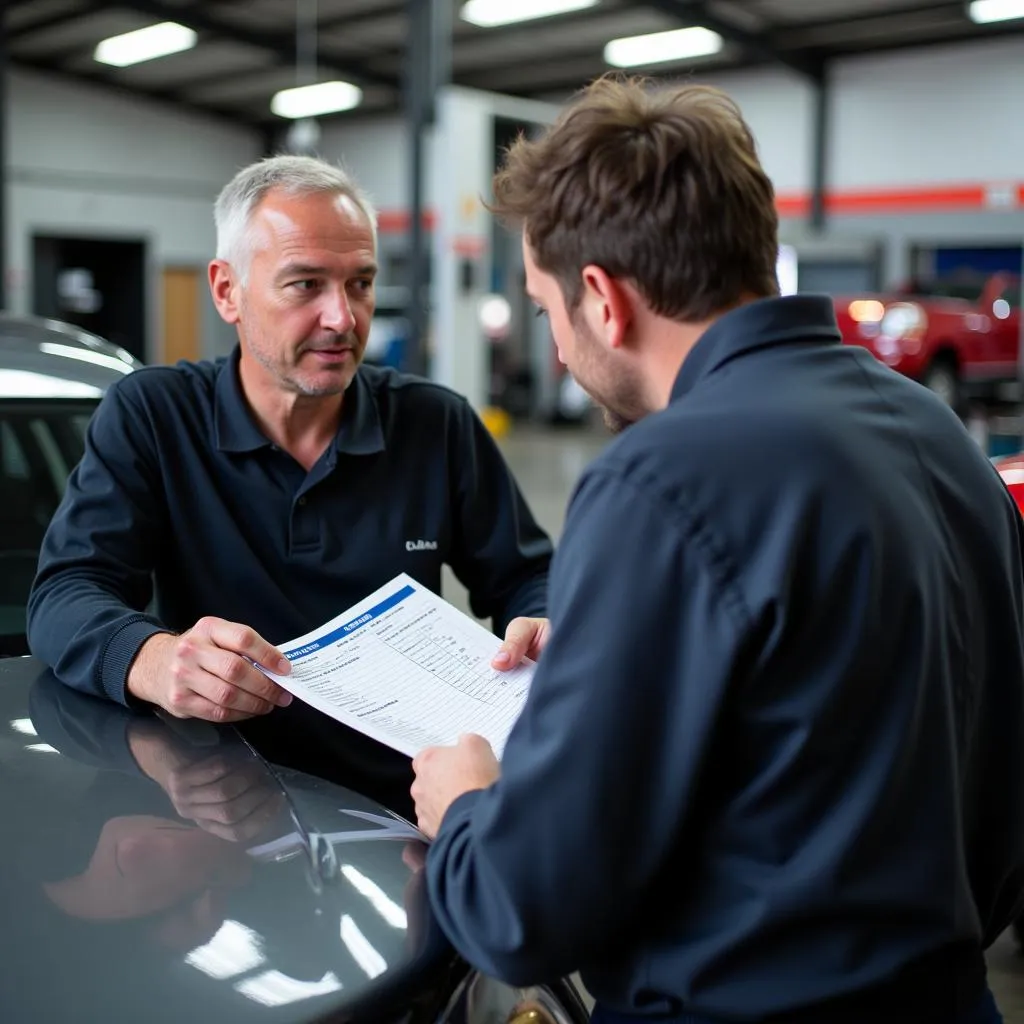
{"x":408,"y":669}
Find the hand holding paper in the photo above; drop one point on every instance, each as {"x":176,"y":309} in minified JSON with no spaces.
{"x":408,"y":669}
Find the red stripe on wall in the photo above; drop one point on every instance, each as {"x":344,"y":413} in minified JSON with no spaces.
{"x":938,"y":198}
{"x":393,"y":222}
{"x":793,"y":205}
{"x":965,"y":197}
{"x":943,"y":198}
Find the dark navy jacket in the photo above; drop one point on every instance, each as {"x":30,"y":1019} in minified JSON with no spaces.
{"x":179,"y":487}
{"x":773,"y":756}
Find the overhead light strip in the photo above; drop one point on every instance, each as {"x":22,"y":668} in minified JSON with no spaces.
{"x":494,"y":13}
{"x":984,"y":12}
{"x":662,"y":47}
{"x":145,"y":44}
{"x":313,"y":100}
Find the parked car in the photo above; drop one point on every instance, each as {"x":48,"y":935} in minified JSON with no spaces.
{"x":52,"y":376}
{"x":959,"y":338}
{"x":163,"y":871}
{"x":167,"y":871}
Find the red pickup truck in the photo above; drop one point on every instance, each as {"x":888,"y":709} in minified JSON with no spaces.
{"x":961,"y":339}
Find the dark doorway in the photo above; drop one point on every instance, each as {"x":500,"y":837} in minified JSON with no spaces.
{"x":98,"y":284}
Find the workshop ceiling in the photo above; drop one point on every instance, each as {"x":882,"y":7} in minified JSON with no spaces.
{"x":246,"y":49}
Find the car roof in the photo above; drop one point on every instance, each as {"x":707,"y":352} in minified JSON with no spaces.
{"x":50,"y":359}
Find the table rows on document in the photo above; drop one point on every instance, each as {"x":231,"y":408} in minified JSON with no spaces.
{"x":445,"y":657}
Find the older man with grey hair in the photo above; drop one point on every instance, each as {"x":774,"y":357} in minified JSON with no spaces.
{"x":222,"y":507}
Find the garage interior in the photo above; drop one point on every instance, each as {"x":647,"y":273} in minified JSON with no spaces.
{"x":890,"y":128}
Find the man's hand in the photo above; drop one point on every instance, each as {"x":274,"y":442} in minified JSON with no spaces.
{"x":443,"y":774}
{"x":524,"y":638}
{"x":208,"y":673}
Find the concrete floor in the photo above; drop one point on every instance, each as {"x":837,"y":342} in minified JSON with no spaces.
{"x":547,"y":464}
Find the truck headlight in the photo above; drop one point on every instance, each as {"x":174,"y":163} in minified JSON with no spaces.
{"x":482,"y":1000}
{"x":904,"y":322}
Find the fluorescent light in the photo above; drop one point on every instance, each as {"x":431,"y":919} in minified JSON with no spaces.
{"x":310,"y":100}
{"x":145,"y":44}
{"x":658,"y":47}
{"x":491,"y":13}
{"x":985,"y":11}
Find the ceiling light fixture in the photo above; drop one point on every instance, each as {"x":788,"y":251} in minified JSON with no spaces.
{"x":983,"y":12}
{"x":492,"y":13}
{"x":145,"y":44}
{"x":313,"y":100}
{"x":661,"y":47}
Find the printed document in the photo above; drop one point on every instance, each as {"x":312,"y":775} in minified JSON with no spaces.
{"x":408,"y":669}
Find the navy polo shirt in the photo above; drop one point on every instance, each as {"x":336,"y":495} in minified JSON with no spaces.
{"x":771,"y":766}
{"x":181,"y":507}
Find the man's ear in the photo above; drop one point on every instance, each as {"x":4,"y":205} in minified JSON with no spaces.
{"x":224,"y":291}
{"x":608,"y":305}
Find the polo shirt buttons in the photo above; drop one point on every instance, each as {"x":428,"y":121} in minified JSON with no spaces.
{"x":302,"y":500}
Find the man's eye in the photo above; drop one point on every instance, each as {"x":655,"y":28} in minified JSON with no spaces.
{"x":540,"y":311}
{"x":364,"y":285}
{"x":305,"y":285}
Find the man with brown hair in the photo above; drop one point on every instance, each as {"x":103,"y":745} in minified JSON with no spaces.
{"x":771,"y":767}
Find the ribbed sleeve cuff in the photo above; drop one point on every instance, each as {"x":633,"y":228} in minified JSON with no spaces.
{"x":120,"y":652}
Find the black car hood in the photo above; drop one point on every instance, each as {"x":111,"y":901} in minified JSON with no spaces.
{"x":233,"y":890}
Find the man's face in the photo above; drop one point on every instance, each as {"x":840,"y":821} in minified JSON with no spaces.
{"x":604,"y":374}
{"x":304,"y":309}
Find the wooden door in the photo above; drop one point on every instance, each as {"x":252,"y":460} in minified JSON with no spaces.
{"x":182,"y":334}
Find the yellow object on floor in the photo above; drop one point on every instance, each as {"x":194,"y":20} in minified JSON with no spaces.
{"x":497,"y":421}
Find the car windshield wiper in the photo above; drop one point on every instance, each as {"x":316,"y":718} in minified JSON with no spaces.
{"x":322,"y":860}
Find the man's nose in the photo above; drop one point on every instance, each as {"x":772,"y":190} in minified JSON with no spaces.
{"x":336,"y":312}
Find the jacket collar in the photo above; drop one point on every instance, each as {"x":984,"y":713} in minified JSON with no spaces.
{"x":759,"y":324}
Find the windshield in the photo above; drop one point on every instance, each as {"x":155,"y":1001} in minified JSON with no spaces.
{"x":41,"y":441}
{"x":969,"y":288}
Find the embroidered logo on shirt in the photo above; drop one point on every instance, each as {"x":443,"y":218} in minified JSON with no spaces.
{"x":421,"y":545}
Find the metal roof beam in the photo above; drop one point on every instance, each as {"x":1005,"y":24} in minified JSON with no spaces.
{"x":52,"y":21}
{"x":165,"y":98}
{"x":199,"y":18}
{"x":761,"y":46}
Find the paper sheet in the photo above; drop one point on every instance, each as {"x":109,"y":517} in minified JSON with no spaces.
{"x":408,"y":669}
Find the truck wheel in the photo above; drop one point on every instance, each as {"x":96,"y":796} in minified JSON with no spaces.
{"x":942,"y":379}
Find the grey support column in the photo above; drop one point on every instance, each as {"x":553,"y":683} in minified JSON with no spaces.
{"x":428,"y":67}
{"x":820,"y":132}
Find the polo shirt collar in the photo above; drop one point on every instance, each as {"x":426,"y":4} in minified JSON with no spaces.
{"x":359,"y":433}
{"x":759,"y":324}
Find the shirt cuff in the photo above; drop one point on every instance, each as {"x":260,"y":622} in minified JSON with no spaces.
{"x":121,"y":651}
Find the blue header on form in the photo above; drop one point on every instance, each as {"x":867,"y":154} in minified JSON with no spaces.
{"x":349,"y":627}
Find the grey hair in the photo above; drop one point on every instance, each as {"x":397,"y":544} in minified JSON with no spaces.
{"x":293,"y":175}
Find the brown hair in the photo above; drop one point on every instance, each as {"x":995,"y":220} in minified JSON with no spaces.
{"x":661,"y":186}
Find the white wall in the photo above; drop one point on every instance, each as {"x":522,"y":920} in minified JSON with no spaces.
{"x":949,"y":114}
{"x":85,"y":162}
{"x":778,"y":106}
{"x":376,"y":153}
